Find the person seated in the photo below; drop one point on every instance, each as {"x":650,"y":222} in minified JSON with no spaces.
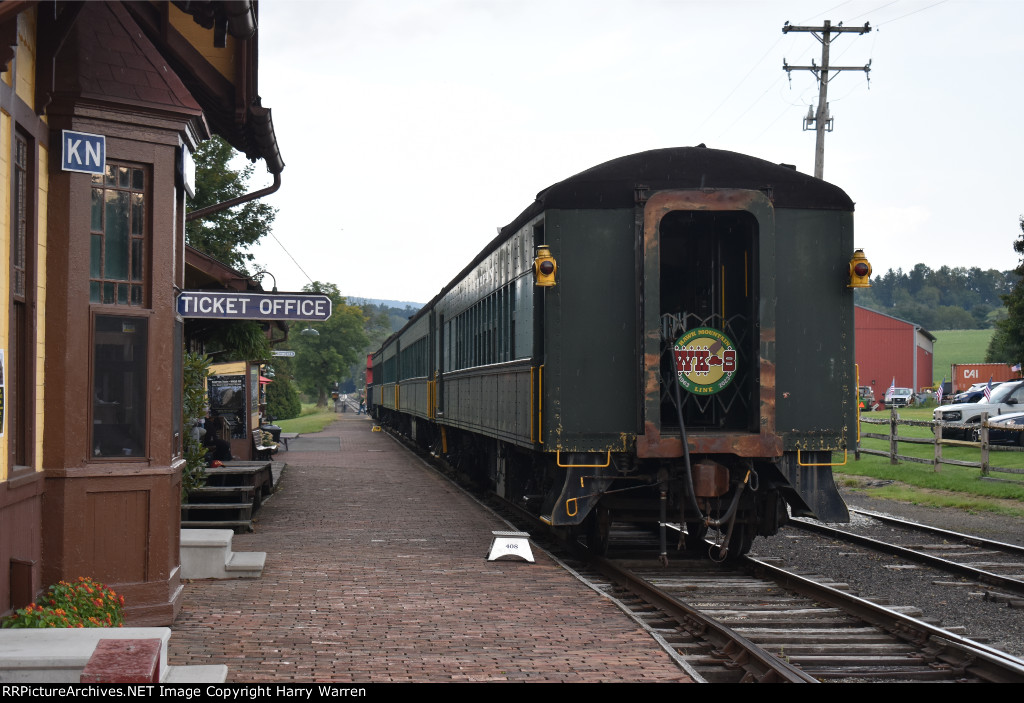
{"x":218,"y":449}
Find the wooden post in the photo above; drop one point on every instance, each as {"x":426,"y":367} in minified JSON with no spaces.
{"x":984,"y":444}
{"x":937,"y":461}
{"x":892,"y":437}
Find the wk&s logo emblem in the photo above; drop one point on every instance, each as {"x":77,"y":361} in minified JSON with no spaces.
{"x":705,"y":361}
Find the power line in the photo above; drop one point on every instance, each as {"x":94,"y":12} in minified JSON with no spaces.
{"x":733,"y":91}
{"x":292,"y":258}
{"x":896,"y":19}
{"x":877,"y":9}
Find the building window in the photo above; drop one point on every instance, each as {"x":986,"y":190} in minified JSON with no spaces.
{"x":117,"y":261}
{"x":19,"y":403}
{"x":120,"y":348}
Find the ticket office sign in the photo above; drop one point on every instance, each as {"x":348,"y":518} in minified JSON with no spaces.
{"x":705,"y":360}
{"x":229,"y":305}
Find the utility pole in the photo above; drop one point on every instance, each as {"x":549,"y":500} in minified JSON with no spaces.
{"x":822,"y":120}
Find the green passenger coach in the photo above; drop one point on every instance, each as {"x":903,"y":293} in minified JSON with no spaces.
{"x":665,"y":337}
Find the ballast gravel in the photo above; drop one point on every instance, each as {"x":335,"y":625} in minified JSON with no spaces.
{"x":945,"y":600}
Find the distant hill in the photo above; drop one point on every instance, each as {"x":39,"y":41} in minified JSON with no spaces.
{"x":398,"y":312}
{"x":400,"y":304}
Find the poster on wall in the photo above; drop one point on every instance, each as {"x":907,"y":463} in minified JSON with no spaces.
{"x":3,"y":392}
{"x":228,"y":401}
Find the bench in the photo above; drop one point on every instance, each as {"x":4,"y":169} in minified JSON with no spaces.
{"x":263,"y":444}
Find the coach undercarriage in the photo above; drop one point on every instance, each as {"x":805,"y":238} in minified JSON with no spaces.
{"x":735,"y":498}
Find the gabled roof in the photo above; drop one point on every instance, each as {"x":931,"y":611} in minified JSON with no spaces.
{"x":918,"y":327}
{"x":221,"y":71}
{"x":210,"y":47}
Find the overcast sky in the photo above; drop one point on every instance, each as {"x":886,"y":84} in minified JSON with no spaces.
{"x":411,"y":130}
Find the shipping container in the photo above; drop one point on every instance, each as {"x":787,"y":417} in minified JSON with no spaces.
{"x":966,"y":375}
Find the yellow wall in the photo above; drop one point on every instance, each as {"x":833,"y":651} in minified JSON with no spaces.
{"x":25,"y":60}
{"x":5,"y":267}
{"x":202,"y":40}
{"x":232,"y":368}
{"x":21,"y":75}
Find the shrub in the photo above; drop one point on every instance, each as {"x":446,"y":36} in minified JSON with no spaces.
{"x":195,"y":369}
{"x":283,"y":399}
{"x":84,"y":603}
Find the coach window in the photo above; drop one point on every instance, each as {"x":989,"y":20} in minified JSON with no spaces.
{"x":117,"y":257}
{"x":120,"y":348}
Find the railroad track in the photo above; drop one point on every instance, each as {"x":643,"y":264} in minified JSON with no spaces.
{"x":820,"y":627}
{"x":991,"y":563}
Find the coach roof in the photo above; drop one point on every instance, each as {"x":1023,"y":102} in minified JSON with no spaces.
{"x":611,"y":185}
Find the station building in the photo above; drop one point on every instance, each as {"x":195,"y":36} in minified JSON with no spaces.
{"x":92,"y":256}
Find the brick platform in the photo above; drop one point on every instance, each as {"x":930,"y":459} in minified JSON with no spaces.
{"x":376,"y":572}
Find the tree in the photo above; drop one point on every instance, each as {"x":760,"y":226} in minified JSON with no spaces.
{"x":225,"y":235}
{"x":324,"y":359}
{"x":1007,"y":343}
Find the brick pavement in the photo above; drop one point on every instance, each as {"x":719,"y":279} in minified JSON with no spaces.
{"x":376,"y":572}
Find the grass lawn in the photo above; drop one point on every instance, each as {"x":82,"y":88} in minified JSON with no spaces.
{"x":958,"y":347}
{"x":312,"y":419}
{"x":955,"y":486}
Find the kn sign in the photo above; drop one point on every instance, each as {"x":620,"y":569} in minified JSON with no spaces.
{"x":85,"y":153}
{"x":229,"y":305}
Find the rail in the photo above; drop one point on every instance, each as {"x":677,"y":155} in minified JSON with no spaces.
{"x":986,"y":449}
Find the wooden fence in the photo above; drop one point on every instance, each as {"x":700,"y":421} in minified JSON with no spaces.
{"x":937,"y":426}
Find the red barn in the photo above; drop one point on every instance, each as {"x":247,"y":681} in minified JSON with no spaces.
{"x":890,"y":348}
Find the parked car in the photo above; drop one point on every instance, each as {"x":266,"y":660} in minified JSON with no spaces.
{"x":999,"y":436}
{"x":898,"y":397}
{"x":1007,"y":398}
{"x":973,"y":394}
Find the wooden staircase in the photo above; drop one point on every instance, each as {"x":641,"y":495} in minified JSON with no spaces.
{"x":231,"y":495}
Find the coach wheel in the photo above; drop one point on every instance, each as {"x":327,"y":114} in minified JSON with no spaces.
{"x":598,"y":526}
{"x":741,"y":541}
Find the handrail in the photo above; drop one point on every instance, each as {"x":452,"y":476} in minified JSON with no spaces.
{"x":531,"y":405}
{"x":540,"y":403}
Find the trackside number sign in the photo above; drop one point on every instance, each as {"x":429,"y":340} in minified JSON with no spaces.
{"x":705,"y":361}
{"x":227,"y":305}
{"x":81,"y":152}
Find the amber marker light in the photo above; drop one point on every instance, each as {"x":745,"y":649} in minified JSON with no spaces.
{"x":860,"y":270}
{"x":544,"y":266}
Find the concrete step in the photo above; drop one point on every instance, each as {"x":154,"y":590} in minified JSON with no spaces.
{"x":60,"y":655}
{"x":207,"y":554}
